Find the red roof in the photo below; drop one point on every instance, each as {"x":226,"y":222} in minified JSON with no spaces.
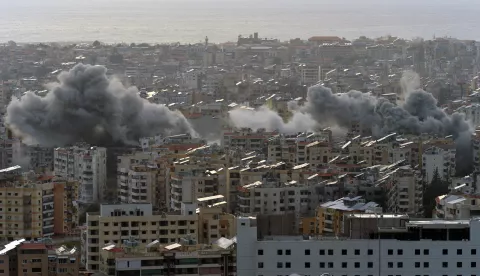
{"x":45,"y":177}
{"x":33,"y":246}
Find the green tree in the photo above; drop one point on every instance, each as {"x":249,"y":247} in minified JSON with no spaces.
{"x":437,"y":187}
{"x":96,"y":43}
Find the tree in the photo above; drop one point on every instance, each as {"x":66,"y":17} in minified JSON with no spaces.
{"x":96,"y":43}
{"x":437,"y":187}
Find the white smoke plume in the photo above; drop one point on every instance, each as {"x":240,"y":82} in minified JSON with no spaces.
{"x":268,"y":119}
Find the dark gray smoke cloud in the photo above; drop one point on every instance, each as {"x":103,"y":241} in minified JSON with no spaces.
{"x":419,"y":114}
{"x":87,"y":106}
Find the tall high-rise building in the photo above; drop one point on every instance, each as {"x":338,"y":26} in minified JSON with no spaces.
{"x":87,"y":165}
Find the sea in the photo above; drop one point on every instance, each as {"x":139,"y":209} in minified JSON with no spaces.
{"x":190,"y":21}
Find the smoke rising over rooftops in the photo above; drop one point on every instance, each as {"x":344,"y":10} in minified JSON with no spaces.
{"x":86,"y":106}
{"x":419,"y":114}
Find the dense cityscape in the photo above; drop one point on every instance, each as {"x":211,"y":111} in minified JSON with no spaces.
{"x":316,"y":156}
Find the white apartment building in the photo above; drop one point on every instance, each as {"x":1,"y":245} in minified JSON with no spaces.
{"x":192,"y":79}
{"x":404,"y":250}
{"x":273,"y":197}
{"x":438,"y":159}
{"x":309,"y":74}
{"x":457,"y":206}
{"x":87,"y":165}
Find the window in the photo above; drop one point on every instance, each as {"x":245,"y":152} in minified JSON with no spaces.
{"x":390,"y":264}
{"x":288,"y":265}
{"x":445,"y":251}
{"x":357,"y":251}
{"x":279,"y":265}
{"x":288,"y":252}
{"x":426,"y":264}
{"x":370,"y":251}
{"x":417,"y":251}
{"x":260,"y":265}
{"x":390,"y":251}
{"x":426,"y":252}
{"x":459,"y":252}
{"x":322,"y":265}
{"x":307,"y":265}
{"x":330,"y":265}
{"x":260,"y":252}
{"x":279,"y":252}
{"x":330,"y":251}
{"x":445,"y":264}
{"x":473,"y":264}
{"x":399,"y":251}
{"x":321,"y":252}
{"x":344,"y":251}
{"x":417,"y":264}
{"x":370,"y":264}
{"x":357,"y":265}
{"x":344,"y":265}
{"x":399,"y":264}
{"x":36,"y":269}
{"x":459,"y":264}
{"x":307,"y":251}
{"x":473,"y":251}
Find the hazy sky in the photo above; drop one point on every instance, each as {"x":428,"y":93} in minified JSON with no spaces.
{"x":192,"y":20}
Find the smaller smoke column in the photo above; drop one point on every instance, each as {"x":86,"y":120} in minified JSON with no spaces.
{"x":268,"y":119}
{"x":86,"y":106}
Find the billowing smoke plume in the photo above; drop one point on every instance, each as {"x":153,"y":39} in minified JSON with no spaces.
{"x":86,"y":106}
{"x":264,"y":117}
{"x":419,"y":114}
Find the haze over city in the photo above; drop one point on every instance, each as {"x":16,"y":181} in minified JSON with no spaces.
{"x":239,"y":138}
{"x":190,"y":20}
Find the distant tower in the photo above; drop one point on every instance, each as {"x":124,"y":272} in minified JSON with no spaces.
{"x":206,"y":42}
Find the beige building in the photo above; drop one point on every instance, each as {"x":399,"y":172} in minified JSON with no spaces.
{"x":213,"y":224}
{"x":182,"y":258}
{"x":116,"y":223}
{"x":21,"y":258}
{"x":33,"y":206}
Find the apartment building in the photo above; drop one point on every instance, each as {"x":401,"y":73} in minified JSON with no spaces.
{"x":476,"y":150}
{"x":405,"y":191}
{"x":245,"y":139}
{"x":310,"y":74}
{"x":140,"y":179}
{"x":312,"y":147}
{"x":87,"y":165}
{"x":66,"y":211}
{"x":214,"y":223}
{"x":472,"y":113}
{"x":329,"y":215}
{"x":414,"y":247}
{"x":33,"y":206}
{"x":20,"y":257}
{"x":438,"y":159}
{"x":271,"y":196}
{"x":183,"y":258}
{"x":191,"y":179}
{"x":116,"y":223}
{"x":32,"y":157}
